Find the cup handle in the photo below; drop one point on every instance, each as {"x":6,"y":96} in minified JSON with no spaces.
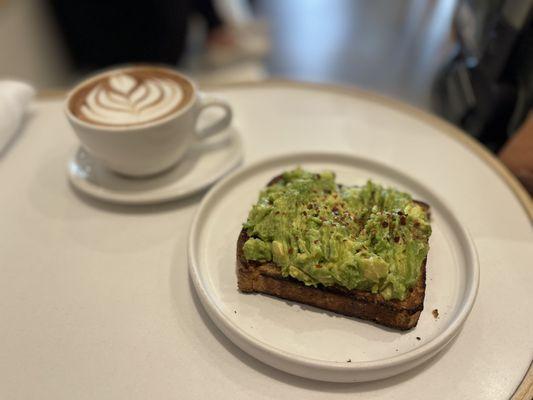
{"x":220,"y":124}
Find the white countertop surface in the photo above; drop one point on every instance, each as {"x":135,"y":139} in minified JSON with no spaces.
{"x":96,"y":302}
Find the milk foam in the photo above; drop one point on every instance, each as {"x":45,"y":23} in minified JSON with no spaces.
{"x":126,"y":100}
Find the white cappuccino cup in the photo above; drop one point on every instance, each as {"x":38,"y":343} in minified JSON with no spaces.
{"x":141,"y":120}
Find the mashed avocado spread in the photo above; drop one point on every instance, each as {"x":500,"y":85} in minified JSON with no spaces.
{"x":369,"y":237}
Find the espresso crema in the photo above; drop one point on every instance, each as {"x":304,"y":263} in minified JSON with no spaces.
{"x":132,"y":96}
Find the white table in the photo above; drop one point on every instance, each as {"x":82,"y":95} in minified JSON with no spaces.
{"x":95,"y":299}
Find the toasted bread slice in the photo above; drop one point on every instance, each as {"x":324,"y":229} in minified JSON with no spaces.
{"x":254,"y":276}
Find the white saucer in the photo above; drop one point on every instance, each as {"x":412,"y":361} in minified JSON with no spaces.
{"x":203,"y":165}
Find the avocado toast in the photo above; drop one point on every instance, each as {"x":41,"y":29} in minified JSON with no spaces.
{"x":357,"y":251}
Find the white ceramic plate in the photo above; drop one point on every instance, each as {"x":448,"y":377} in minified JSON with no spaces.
{"x":306,"y":341}
{"x":203,"y":165}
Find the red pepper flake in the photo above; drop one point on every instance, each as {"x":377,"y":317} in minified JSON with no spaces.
{"x":403,"y":220}
{"x":315,"y":242}
{"x":416,"y":224}
{"x":318,"y":266}
{"x":309,"y":206}
{"x":384,"y":224}
{"x":396,"y":239}
{"x":290,"y":250}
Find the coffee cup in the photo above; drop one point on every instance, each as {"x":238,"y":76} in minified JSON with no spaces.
{"x":141,"y":120}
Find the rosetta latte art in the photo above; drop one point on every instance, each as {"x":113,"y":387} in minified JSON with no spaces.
{"x":123,"y":99}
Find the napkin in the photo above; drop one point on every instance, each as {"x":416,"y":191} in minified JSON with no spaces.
{"x":14,"y":100}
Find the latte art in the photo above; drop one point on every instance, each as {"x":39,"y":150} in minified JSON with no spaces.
{"x":124,"y":99}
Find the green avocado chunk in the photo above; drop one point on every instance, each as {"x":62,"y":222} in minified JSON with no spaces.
{"x":369,"y":238}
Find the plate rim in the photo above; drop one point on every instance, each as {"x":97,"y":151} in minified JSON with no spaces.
{"x":424,"y":351}
{"x":142,"y":198}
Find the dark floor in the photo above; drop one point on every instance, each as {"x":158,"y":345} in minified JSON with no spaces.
{"x":393,"y":47}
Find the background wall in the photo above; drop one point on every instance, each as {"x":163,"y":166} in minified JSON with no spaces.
{"x":29,"y":46}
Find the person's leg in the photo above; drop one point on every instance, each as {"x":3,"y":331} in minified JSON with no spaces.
{"x":229,"y":38}
{"x":207,"y":10}
{"x":172,"y":18}
{"x":99,"y":34}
